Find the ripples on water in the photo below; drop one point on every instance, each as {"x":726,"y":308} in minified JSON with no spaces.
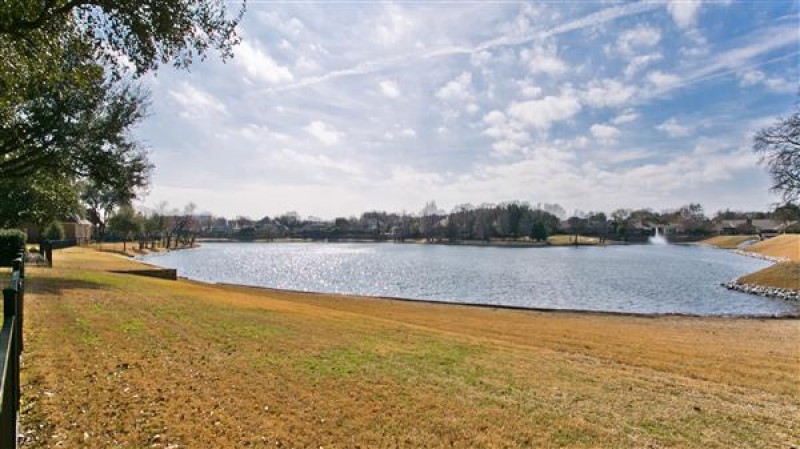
{"x":636,"y":278}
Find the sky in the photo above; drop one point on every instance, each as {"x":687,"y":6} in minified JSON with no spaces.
{"x":336,"y":108}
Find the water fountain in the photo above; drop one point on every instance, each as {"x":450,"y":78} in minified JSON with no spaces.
{"x":658,"y":238}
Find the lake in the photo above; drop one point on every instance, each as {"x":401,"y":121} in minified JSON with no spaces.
{"x":680,"y":279}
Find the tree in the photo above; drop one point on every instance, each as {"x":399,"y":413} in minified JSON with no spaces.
{"x":141,"y":33}
{"x":54,"y":231}
{"x":787,"y":213}
{"x":154,"y":227}
{"x":67,"y":102}
{"x":577,"y":225}
{"x":428,"y":217}
{"x":37,"y":200}
{"x":779,"y":148}
{"x":539,"y":231}
{"x":126,"y":223}
{"x":100,"y":203}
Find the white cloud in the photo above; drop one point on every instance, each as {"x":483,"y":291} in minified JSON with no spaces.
{"x":259,"y":65}
{"x":608,"y":93}
{"x":543,"y":59}
{"x":409,"y":133}
{"x":541,"y":114}
{"x":457,"y":89}
{"x":480,"y":58}
{"x":501,"y":127}
{"x":394,"y":26}
{"x":641,"y":37}
{"x":684,"y":12}
{"x":291,"y":159}
{"x":751,"y":78}
{"x":663,"y":81}
{"x":196,"y":103}
{"x":324,"y":132}
{"x":637,"y":63}
{"x":529,"y":90}
{"x":390,"y":88}
{"x":604,"y":133}
{"x":305,"y":64}
{"x":674,"y":129}
{"x":627,"y":116}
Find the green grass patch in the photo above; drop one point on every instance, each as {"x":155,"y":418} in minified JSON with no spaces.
{"x":404,"y":361}
{"x":133,"y":326}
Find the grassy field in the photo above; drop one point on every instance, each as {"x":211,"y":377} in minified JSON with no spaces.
{"x":128,"y":249}
{"x":786,"y":246}
{"x":566,"y":240}
{"x":728,"y":241}
{"x":782,"y":275}
{"x":115,"y":360}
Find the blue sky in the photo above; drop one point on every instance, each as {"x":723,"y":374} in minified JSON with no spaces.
{"x":334,"y":108}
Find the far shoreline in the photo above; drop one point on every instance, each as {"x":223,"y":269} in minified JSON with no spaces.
{"x":471,"y":243}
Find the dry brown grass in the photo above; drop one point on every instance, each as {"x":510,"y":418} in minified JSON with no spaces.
{"x":121,"y":361}
{"x":781,"y":275}
{"x":130,"y":249}
{"x":566,"y":240}
{"x":785,"y":245}
{"x":728,"y":241}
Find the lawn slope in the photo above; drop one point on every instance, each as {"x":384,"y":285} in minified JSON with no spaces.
{"x":728,"y":241}
{"x":786,"y":246}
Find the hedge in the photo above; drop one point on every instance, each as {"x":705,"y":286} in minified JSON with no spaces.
{"x":11,"y":240}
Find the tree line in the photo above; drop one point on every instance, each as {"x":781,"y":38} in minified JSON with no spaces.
{"x":516,"y":220}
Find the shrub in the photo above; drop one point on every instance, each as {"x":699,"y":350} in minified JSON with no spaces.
{"x":11,"y":240}
{"x":54,"y":231}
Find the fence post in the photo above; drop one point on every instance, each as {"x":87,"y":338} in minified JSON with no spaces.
{"x":10,"y":305}
{"x":48,"y":253}
{"x":21,"y":259}
{"x":18,"y":265}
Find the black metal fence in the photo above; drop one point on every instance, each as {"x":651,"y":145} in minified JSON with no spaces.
{"x":46,"y":247}
{"x":10,"y":351}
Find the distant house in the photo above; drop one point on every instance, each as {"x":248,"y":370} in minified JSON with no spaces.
{"x":78,"y":230}
{"x":765,"y":227}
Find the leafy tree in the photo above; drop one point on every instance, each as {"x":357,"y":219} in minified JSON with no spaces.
{"x":126,"y":223}
{"x":54,"y":231}
{"x":779,"y":147}
{"x":139,"y":33}
{"x":787,"y":212}
{"x":100,"y":203}
{"x":78,"y":132}
{"x":577,"y":226}
{"x":154,"y":227}
{"x":38,"y":200}
{"x":539,"y":231}
{"x":67,"y":101}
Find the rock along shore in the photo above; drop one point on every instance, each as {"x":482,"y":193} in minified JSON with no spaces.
{"x":761,"y":290}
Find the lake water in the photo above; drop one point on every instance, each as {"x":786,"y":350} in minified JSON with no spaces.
{"x":637,"y":278}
